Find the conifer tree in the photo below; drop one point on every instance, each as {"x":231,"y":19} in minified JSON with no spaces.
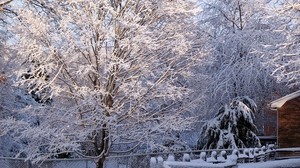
{"x":232,"y":127}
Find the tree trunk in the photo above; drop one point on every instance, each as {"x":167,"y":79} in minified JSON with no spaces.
{"x":101,"y":146}
{"x":100,"y":162}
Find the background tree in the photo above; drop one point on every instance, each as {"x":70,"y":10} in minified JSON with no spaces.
{"x":232,"y":127}
{"x":114,"y":70}
{"x":237,"y":31}
{"x":12,"y":98}
{"x":283,"y":57}
{"x":6,"y":13}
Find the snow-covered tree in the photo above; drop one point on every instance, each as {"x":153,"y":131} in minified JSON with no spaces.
{"x":5,"y":13}
{"x":114,"y":70}
{"x":232,"y":127}
{"x":12,"y":98}
{"x":236,"y":31}
{"x":283,"y":57}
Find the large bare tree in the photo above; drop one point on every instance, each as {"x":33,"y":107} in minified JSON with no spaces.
{"x":113,"y":69}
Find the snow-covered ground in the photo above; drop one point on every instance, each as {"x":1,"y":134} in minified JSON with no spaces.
{"x":288,"y":163}
{"x":231,"y":161}
{"x":272,"y":164}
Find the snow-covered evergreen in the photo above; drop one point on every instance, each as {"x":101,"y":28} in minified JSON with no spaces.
{"x":232,"y":127}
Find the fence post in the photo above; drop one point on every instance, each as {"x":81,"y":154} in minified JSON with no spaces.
{"x":214,"y":155}
{"x":224,"y":154}
{"x":153,"y":162}
{"x":203,"y":156}
{"x":235,"y":152}
{"x":171,"y":157}
{"x":186,"y":158}
{"x":160,"y":162}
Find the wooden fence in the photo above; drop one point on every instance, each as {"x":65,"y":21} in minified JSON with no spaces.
{"x":218,"y":158}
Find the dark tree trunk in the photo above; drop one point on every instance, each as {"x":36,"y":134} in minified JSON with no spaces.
{"x":101,"y":145}
{"x":100,"y":162}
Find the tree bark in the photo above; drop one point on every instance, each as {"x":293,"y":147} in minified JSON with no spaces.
{"x":100,"y":162}
{"x":101,"y":146}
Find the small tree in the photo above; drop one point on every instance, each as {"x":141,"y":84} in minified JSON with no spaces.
{"x":232,"y":127}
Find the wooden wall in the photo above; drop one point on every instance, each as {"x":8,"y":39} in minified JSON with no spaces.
{"x":289,"y":124}
{"x":270,"y":122}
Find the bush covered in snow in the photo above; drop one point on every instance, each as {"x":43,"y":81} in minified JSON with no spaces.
{"x":232,"y":127}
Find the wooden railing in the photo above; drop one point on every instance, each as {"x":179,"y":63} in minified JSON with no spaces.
{"x":287,"y":153}
{"x":224,"y":158}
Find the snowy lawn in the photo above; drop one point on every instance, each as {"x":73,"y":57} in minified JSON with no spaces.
{"x":272,"y":164}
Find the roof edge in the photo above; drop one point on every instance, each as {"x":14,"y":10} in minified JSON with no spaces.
{"x":280,"y":102}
